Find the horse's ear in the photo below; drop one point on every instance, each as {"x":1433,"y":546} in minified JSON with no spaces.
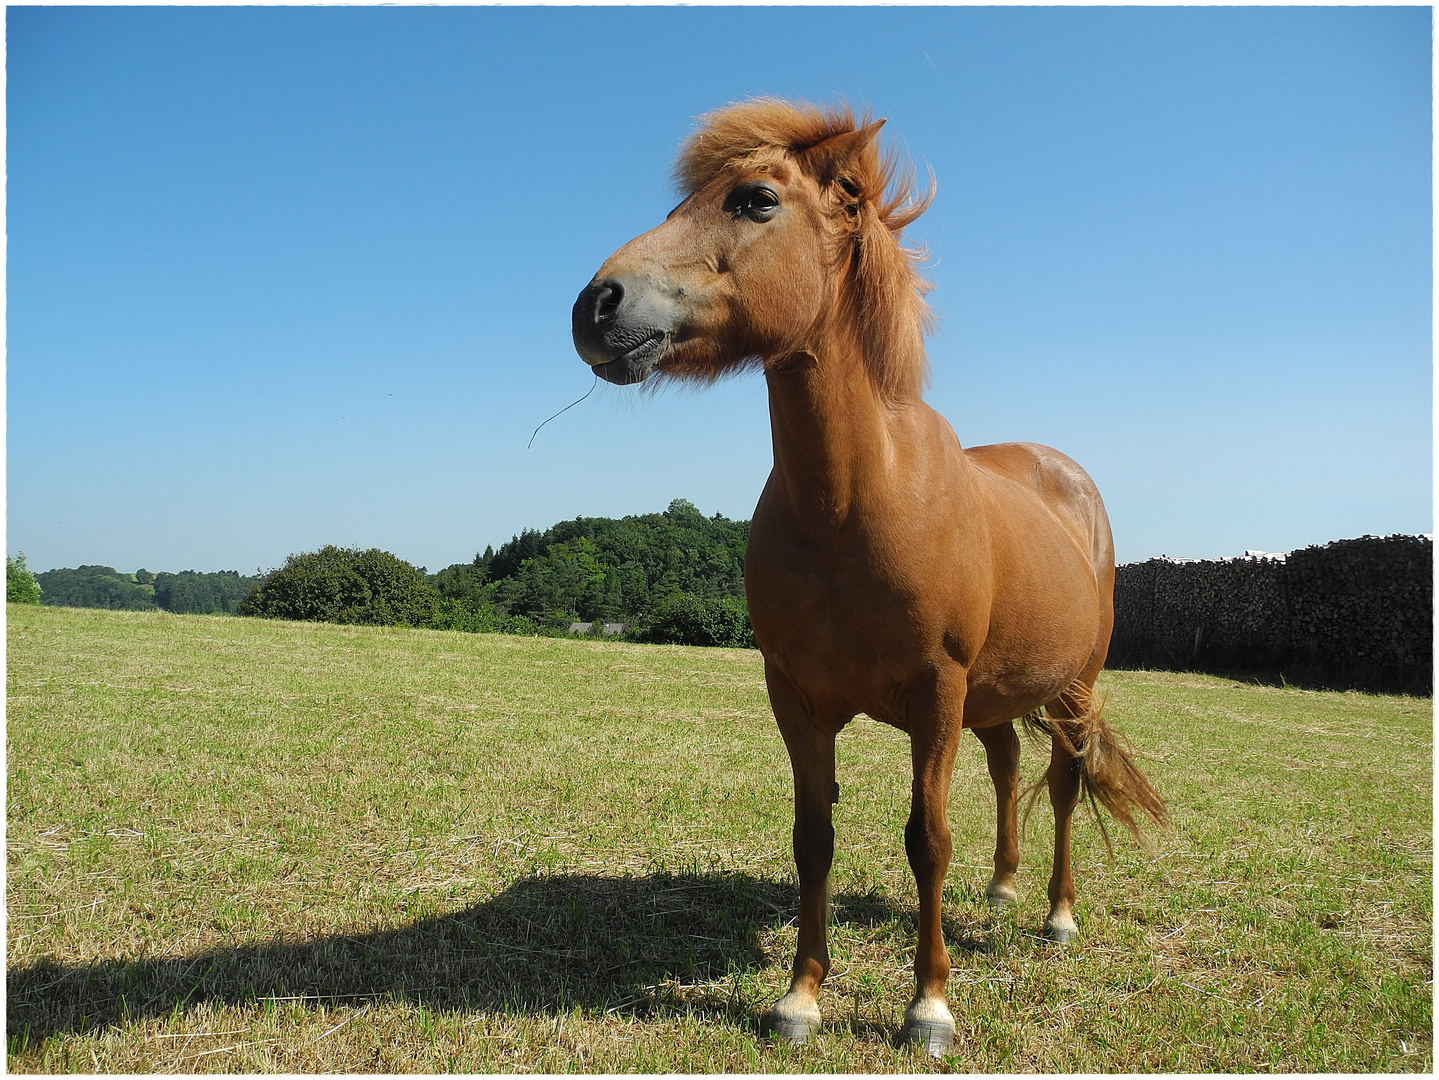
{"x":829,"y":160}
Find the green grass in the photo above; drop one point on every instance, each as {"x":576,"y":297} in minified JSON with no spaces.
{"x":240,"y":845}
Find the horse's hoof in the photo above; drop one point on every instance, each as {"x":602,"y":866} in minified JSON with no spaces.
{"x":1000,"y":897}
{"x":934,"y":1038}
{"x":1059,"y":927}
{"x":793,"y":1032}
{"x":792,"y":1022}
{"x":928,"y":1026}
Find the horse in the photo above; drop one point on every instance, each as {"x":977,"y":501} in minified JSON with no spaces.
{"x":889,"y":571}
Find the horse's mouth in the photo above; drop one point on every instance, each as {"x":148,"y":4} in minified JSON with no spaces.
{"x":637,"y":362}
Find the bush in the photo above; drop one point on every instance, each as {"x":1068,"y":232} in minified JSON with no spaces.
{"x":346,"y":585}
{"x":20,"y":585}
{"x":685,"y":619}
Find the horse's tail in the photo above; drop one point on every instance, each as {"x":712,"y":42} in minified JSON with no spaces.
{"x":1108,"y":774}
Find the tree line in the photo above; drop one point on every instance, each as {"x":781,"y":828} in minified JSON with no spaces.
{"x":671,"y":577}
{"x":674,"y":577}
{"x":188,"y":592}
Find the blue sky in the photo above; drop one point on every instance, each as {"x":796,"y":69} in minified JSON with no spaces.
{"x":283,"y":277}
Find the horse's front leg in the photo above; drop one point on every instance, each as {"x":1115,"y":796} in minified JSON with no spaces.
{"x":934,"y":738}
{"x":1001,"y":752}
{"x":810,"y":742}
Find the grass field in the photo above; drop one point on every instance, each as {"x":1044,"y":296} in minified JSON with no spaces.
{"x":239,"y":845}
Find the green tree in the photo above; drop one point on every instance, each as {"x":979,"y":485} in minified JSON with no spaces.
{"x":466,"y":583}
{"x":605,"y":569}
{"x":346,"y":585}
{"x":20,"y":585}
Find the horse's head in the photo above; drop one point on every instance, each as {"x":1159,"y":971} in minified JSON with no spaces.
{"x":786,"y":223}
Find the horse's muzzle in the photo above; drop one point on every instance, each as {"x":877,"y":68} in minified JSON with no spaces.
{"x":621,"y":330}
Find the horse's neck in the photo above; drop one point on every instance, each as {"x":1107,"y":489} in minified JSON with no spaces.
{"x":837,"y":441}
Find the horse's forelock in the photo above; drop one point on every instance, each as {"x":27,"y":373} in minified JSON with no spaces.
{"x":765,"y":130}
{"x":755,"y":128}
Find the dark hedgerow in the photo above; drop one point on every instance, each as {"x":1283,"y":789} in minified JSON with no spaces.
{"x":346,"y":585}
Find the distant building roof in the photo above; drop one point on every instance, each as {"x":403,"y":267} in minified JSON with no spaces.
{"x":610,"y":628}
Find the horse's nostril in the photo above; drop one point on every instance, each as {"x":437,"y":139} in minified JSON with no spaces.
{"x":608,"y":296}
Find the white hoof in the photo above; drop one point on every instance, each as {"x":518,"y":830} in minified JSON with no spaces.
{"x":1060,"y":928}
{"x":1000,"y":896}
{"x":792,"y":1019}
{"x":929,"y":1026}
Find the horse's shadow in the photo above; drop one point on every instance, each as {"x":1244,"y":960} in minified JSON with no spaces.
{"x":628,"y":945}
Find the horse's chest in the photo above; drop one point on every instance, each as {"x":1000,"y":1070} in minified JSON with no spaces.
{"x":824,"y":604}
{"x":843,"y":622}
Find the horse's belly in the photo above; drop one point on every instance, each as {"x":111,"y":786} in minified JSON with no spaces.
{"x":853,"y":641}
{"x":1043,"y":633}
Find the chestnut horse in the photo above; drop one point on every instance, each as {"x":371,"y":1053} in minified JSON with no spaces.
{"x":889,"y":572}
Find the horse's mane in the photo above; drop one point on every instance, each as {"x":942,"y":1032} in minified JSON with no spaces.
{"x":885,"y":300}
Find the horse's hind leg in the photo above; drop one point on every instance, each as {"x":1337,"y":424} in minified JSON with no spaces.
{"x":1065,"y":772}
{"x":1089,"y":758}
{"x":1001,"y":752}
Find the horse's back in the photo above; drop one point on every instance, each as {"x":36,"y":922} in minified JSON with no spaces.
{"x":1060,"y":486}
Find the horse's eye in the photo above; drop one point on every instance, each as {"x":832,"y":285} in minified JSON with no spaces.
{"x":755,"y":203}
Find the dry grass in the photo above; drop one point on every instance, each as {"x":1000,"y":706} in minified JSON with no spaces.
{"x":238,"y":845}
